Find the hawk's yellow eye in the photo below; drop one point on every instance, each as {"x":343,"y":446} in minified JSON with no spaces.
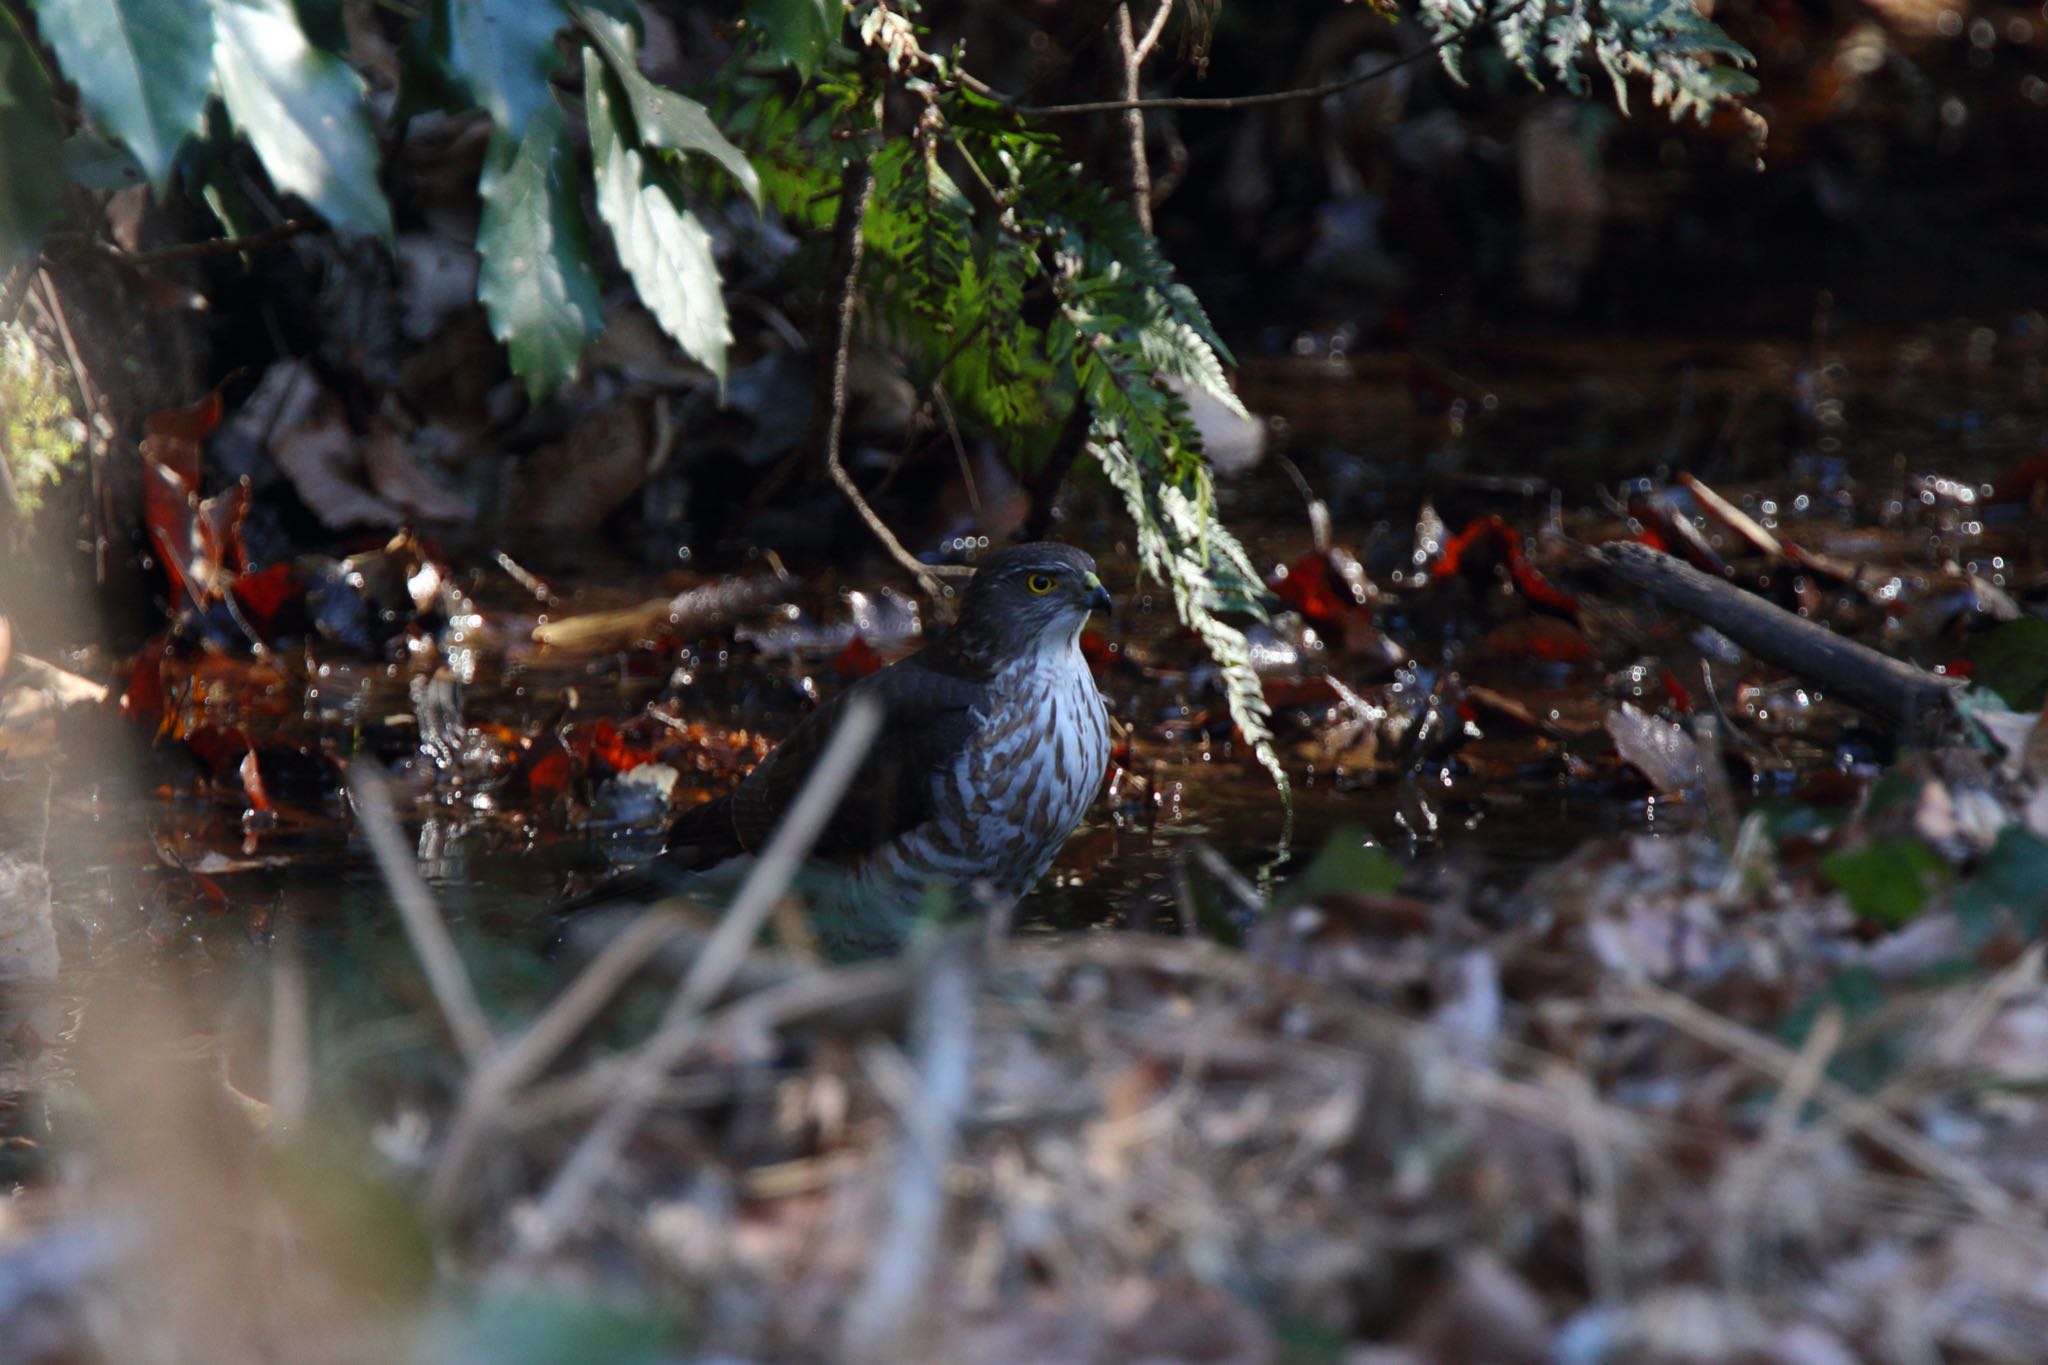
{"x":1041,"y":583}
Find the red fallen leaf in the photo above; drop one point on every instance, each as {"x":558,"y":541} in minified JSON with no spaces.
{"x":265,"y":593}
{"x":1680,"y":698}
{"x":614,"y":750}
{"x":1097,"y":650}
{"x":142,"y":699}
{"x":1648,"y":536}
{"x":550,"y":769}
{"x":1487,"y":541}
{"x":2022,"y":482}
{"x":252,"y":783}
{"x":195,"y":423}
{"x":1542,"y":638}
{"x":857,"y":660}
{"x":1329,"y":588}
{"x":1283,"y":694}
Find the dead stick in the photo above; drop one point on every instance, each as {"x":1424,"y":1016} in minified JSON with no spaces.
{"x":1890,"y":689}
{"x":856,"y":188}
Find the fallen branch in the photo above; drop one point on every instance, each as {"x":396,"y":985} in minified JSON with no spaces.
{"x":1889,"y":689}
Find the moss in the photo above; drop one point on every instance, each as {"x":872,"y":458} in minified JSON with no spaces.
{"x":41,"y":436}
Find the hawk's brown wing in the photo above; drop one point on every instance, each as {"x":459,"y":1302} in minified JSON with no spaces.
{"x":927,"y":717}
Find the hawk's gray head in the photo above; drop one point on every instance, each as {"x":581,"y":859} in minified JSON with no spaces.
{"x":1027,"y":599}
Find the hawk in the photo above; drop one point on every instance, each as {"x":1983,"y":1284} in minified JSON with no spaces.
{"x":993,"y":743}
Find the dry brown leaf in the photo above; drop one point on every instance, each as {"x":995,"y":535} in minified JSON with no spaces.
{"x":30,"y":700}
{"x":399,"y":479}
{"x":576,"y":483}
{"x":1660,"y":750}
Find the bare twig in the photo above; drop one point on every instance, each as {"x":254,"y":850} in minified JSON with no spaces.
{"x":492,"y":1085}
{"x":722,"y":956}
{"x":1131,"y":52}
{"x":422,"y":918}
{"x":1856,"y":1113}
{"x":1599,"y":1212}
{"x":95,"y":424}
{"x":884,"y":1310}
{"x":1748,"y":1172}
{"x":855,"y":190}
{"x":219,"y":246}
{"x":1307,"y":92}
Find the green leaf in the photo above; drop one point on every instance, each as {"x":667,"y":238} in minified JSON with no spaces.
{"x":797,"y":33}
{"x":2013,"y":876}
{"x":92,"y":161}
{"x":547,"y":1327}
{"x":31,"y":149}
{"x":537,"y":282}
{"x":504,"y":51}
{"x":665,"y":119}
{"x":143,"y":68}
{"x":663,"y":247}
{"x":2012,"y":660}
{"x":1887,"y":880}
{"x":303,"y":110}
{"x":1347,"y":864}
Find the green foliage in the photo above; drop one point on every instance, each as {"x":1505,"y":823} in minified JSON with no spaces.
{"x":663,"y":247}
{"x":2012,"y":660}
{"x":1347,"y":864}
{"x":2012,"y":877}
{"x":143,"y":68}
{"x":538,"y":285}
{"x":1887,"y":881}
{"x":303,"y":110}
{"x":537,"y":1327}
{"x":31,"y":141}
{"x":503,"y":51}
{"x":798,"y":33}
{"x":663,"y":118}
{"x":42,"y":434}
{"x":1682,"y":54}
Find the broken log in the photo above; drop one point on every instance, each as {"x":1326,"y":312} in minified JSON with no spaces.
{"x":1891,"y":690}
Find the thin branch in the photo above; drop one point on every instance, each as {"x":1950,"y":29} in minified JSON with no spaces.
{"x":491,"y":1087}
{"x":1131,"y":54}
{"x":1153,"y":32}
{"x":96,"y":423}
{"x":422,"y":918}
{"x":1859,"y":1115}
{"x":883,"y":1312}
{"x":855,"y":190}
{"x":559,"y":1208}
{"x":219,"y":246}
{"x":1308,"y":92}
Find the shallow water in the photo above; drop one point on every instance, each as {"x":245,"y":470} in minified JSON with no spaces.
{"x":1824,"y":436}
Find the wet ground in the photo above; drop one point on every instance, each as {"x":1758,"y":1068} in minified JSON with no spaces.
{"x":1841,"y":441}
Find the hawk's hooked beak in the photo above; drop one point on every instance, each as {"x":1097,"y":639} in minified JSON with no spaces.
{"x":1098,"y":600}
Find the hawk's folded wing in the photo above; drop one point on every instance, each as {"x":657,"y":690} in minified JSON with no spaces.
{"x":928,"y":716}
